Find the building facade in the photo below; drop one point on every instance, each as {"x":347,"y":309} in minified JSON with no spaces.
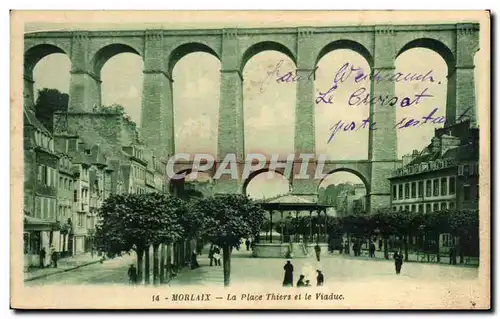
{"x":445,"y":175}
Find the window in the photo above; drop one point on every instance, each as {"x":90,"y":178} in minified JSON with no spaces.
{"x":407,"y":190}
{"x":420,"y":192}
{"x":80,"y":219}
{"x":75,"y":196}
{"x":49,"y":175}
{"x":407,"y":207}
{"x":451,"y":205}
{"x":466,"y":169}
{"x":444,"y":186}
{"x":413,"y":208}
{"x":420,"y":208}
{"x":44,"y":208}
{"x":466,"y":192}
{"x":400,"y":208}
{"x":428,"y":188}
{"x":38,"y":207}
{"x":61,"y":183}
{"x":400,"y":191}
{"x":428,"y":208}
{"x":443,"y":205}
{"x":436,"y":206}
{"x":436,"y":187}
{"x":413,"y":190}
{"x":451,"y":185}
{"x":394,"y":208}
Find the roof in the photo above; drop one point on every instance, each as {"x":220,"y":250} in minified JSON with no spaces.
{"x":30,"y":119}
{"x":461,"y":153}
{"x":291,"y":202}
{"x":288,"y":199}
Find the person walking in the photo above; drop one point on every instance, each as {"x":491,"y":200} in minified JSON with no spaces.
{"x":288,"y":279}
{"x":317,"y":250}
{"x":300,"y":282}
{"x":211,"y":255}
{"x":320,"y":279}
{"x":194,"y":261}
{"x":398,"y":261}
{"x":247,"y":244}
{"x":372,"y":249}
{"x":132,"y":275}
{"x":380,"y":244}
{"x":42,"y":255}
{"x":217,"y":256}
{"x":53,"y":255}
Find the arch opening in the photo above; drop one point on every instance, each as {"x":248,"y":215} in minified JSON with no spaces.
{"x":186,"y":49}
{"x":434,"y":45}
{"x":340,"y":108}
{"x":193,"y":185}
{"x":345,"y":190}
{"x":266,"y":46}
{"x":265,"y":184}
{"x":33,"y":55}
{"x":196,"y":97}
{"x":413,"y":135}
{"x":104,"y":54}
{"x":347,"y":45}
{"x":269,"y":105}
{"x":122,"y":86}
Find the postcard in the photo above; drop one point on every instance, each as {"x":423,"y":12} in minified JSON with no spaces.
{"x":250,"y":160}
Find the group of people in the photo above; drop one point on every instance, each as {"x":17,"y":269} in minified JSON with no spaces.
{"x":302,"y":282}
{"x":214,"y":255}
{"x":53,"y":257}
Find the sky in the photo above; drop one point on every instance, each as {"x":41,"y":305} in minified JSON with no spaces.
{"x":269,"y":115}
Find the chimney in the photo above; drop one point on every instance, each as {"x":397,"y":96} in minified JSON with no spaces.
{"x":435,"y":145}
{"x":449,"y":142}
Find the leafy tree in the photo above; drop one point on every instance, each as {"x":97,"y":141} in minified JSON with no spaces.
{"x":465,"y":225}
{"x":227,"y":219}
{"x":382,"y":222}
{"x":137,"y":221}
{"x":401,"y":223}
{"x":47,"y":103}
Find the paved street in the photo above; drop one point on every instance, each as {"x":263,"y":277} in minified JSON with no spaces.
{"x":113,"y":271}
{"x":246,"y":270}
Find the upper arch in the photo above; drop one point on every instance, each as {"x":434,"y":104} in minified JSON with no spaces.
{"x":363,"y":178}
{"x":434,"y":45}
{"x":34,"y":54}
{"x":184,"y":49}
{"x":258,"y":172}
{"x":265,"y":46}
{"x":107,"y":52}
{"x":346,"y":44}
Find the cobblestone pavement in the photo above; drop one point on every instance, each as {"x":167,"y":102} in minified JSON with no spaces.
{"x":246,"y":270}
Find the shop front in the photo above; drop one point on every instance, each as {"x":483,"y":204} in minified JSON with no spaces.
{"x":38,"y":236}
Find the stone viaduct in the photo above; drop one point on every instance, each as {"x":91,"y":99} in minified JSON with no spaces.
{"x":160,"y":50}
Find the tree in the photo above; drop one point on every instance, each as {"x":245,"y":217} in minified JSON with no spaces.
{"x":47,"y":103}
{"x":382,"y":222}
{"x":137,"y":221}
{"x":465,"y":225}
{"x":401,"y":223}
{"x":227,"y":219}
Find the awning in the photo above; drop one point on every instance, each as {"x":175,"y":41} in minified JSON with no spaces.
{"x":32,"y":223}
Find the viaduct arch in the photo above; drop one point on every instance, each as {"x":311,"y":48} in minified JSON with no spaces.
{"x":160,"y":50}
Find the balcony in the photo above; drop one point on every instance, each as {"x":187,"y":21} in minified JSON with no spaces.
{"x":424,"y":167}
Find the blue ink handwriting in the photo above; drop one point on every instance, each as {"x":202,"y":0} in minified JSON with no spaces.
{"x":351,"y":126}
{"x":369,"y":123}
{"x":359,"y":97}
